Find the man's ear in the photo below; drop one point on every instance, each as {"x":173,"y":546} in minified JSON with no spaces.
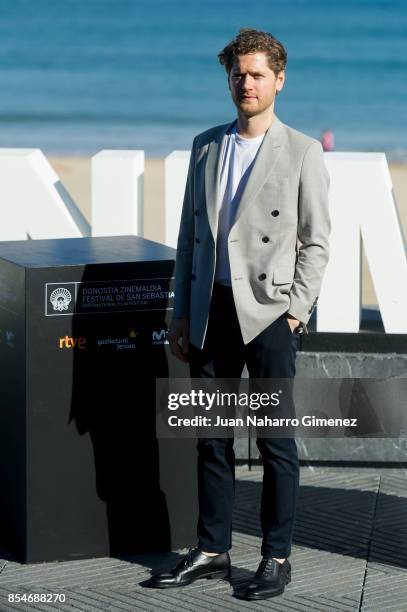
{"x":280,"y":79}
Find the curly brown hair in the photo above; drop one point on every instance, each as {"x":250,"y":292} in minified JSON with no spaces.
{"x":249,"y":40}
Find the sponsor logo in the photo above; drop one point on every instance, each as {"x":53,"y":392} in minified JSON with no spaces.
{"x":126,"y":342}
{"x":159,"y":337}
{"x":60,"y":299}
{"x":68,"y":342}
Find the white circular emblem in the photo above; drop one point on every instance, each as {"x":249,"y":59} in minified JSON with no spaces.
{"x":60,"y":298}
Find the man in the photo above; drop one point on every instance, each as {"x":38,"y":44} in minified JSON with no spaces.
{"x":252,"y":249}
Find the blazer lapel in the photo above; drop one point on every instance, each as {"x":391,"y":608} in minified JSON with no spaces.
{"x":212,"y":175}
{"x":267,"y":156}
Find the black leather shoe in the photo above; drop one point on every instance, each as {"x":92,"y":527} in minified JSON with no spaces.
{"x":269,"y":580}
{"x":193,"y":566}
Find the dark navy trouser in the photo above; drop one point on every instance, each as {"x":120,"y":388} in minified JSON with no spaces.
{"x":270,"y":355}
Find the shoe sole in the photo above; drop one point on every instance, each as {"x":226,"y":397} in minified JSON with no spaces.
{"x":220,"y":574}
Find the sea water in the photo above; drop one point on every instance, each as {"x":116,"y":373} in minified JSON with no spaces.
{"x":78,"y":76}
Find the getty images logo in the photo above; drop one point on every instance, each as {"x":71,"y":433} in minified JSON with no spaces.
{"x":60,"y":299}
{"x":160,"y":337}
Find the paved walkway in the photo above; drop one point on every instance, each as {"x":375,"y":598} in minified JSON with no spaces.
{"x":350,"y":553}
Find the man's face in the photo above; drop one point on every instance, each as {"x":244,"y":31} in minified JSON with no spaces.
{"x":253,"y":84}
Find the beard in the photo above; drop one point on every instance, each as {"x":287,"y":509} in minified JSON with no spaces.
{"x":251,"y":109}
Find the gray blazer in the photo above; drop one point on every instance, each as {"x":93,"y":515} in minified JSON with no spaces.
{"x":285,"y":200}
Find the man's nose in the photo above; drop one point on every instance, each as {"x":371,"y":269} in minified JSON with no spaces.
{"x":247,"y":81}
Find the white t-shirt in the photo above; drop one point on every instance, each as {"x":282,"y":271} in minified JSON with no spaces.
{"x":238,"y":159}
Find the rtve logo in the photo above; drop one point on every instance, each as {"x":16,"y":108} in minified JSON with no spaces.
{"x":69,"y":342}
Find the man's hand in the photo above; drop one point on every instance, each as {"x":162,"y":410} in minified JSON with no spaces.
{"x":292,"y":322}
{"x":179,"y":329}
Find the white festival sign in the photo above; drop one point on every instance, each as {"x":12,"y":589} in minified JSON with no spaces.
{"x":34,"y":204}
{"x":176,"y":171}
{"x":363,"y":208}
{"x":33,"y":201}
{"x":117,"y":193}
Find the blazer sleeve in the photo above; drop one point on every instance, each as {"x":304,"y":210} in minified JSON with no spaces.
{"x":185,"y":246}
{"x":314,"y":227}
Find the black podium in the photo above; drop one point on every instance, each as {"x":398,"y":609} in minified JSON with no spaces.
{"x":83,"y":324}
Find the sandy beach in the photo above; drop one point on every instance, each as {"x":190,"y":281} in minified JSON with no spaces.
{"x":74,"y":173}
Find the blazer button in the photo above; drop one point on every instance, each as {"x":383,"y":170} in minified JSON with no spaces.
{"x":275,"y":213}
{"x":262,"y":276}
{"x":193,"y":277}
{"x":196,"y":212}
{"x":265,"y":239}
{"x":197,"y":240}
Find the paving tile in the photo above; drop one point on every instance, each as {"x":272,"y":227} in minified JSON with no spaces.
{"x":349,"y":553}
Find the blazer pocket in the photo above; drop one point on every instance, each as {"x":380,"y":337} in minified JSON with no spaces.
{"x":283,"y":276}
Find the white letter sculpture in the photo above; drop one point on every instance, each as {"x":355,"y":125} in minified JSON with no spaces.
{"x":363,"y":207}
{"x":176,"y":170}
{"x":33,"y":201}
{"x":117,"y":193}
